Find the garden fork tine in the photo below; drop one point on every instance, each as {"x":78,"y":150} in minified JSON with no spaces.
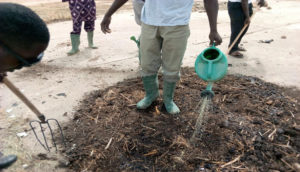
{"x":61,"y":133}
{"x":41,"y":117}
{"x":36,"y":136}
{"x":46,"y":146}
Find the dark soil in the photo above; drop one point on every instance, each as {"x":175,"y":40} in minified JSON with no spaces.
{"x":251,"y":126}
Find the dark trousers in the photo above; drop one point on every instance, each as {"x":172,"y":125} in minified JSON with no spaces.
{"x":237,"y":20}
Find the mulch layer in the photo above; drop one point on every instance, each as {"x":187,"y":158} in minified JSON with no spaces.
{"x":251,"y":125}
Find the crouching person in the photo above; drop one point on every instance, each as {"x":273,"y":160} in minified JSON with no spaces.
{"x":23,"y":39}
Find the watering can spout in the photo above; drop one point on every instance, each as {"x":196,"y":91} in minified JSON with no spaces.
{"x":208,"y":91}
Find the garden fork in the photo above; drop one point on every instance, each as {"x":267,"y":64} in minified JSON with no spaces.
{"x":41,"y":117}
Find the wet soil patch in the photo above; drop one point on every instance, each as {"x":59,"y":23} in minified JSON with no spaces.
{"x":251,"y":126}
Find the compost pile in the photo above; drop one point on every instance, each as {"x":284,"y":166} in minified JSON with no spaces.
{"x":251,"y":125}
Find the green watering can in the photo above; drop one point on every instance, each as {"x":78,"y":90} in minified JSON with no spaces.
{"x":211,"y":65}
{"x":137,"y":41}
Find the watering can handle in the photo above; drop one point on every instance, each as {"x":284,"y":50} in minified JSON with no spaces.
{"x":213,"y":45}
{"x":19,"y":94}
{"x":209,"y":70}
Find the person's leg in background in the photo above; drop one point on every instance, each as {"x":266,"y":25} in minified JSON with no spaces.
{"x":75,"y":34}
{"x":237,"y":19}
{"x":89,"y":16}
{"x":75,"y":37}
{"x":173,"y":50}
{"x":89,"y":27}
{"x":150,"y":63}
{"x":245,"y":31}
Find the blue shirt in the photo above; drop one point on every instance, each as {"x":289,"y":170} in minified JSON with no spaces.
{"x":167,"y":12}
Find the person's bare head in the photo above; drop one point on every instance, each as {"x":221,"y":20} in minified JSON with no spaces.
{"x":23,"y":36}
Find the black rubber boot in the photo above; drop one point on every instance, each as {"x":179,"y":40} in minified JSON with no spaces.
{"x":6,"y":161}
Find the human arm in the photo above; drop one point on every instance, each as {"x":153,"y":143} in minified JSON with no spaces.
{"x":245,"y":7}
{"x":212,"y":8}
{"x":107,"y":17}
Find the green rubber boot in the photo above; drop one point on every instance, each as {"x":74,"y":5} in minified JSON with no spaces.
{"x":169,"y":88}
{"x":90,"y":36}
{"x":75,"y":41}
{"x":151,"y":89}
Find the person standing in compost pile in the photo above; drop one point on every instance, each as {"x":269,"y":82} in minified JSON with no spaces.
{"x":165,"y":31}
{"x":23,"y":39}
{"x":82,"y":11}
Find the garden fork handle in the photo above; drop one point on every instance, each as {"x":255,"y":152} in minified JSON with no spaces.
{"x":18,"y":93}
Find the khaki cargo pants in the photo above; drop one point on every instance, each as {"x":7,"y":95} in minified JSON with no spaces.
{"x":163,"y":46}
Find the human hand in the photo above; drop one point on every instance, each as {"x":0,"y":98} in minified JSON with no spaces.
{"x":105,"y":24}
{"x":2,"y":76}
{"x":247,"y":21}
{"x":214,"y":37}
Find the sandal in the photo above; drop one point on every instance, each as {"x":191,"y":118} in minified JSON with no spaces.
{"x":237,"y":54}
